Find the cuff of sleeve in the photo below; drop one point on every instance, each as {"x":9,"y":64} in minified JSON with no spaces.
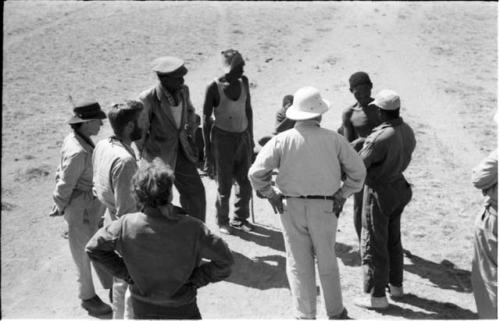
{"x":268,"y":192}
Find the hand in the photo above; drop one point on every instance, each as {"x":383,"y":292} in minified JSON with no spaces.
{"x":276,"y":203}
{"x":338,"y":203}
{"x":55,"y":212}
{"x":209,"y":168}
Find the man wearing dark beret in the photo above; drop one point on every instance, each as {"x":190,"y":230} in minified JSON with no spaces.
{"x":169,"y":123}
{"x":358,"y":120}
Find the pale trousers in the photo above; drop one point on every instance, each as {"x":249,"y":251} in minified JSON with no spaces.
{"x":309,"y":230}
{"x":484,"y":264}
{"x":82,"y":215}
{"x":122,"y":301}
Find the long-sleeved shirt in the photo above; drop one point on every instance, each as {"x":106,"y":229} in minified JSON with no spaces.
{"x":114,"y":166}
{"x":485,"y":178}
{"x":74,"y":172}
{"x":310,"y":161}
{"x":387,"y":152}
{"x":161,"y":255}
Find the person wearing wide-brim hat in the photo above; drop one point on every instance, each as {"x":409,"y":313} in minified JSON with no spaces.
{"x":309,"y":195}
{"x":169,"y":131}
{"x":229,"y":140}
{"x":74,"y":199}
{"x":386,"y":154}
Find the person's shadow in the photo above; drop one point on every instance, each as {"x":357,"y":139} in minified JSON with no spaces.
{"x":263,"y":272}
{"x":348,"y":254}
{"x":438,"y":310}
{"x":264,"y":236}
{"x":445,"y":275}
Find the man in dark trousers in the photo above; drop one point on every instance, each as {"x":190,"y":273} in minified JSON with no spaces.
{"x":229,"y":140}
{"x":169,"y":123}
{"x":358,"y":120}
{"x":386,"y":153}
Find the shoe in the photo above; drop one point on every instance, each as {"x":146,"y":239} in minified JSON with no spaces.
{"x":95,"y":306}
{"x":341,"y":316}
{"x":242,"y":225}
{"x":372,"y":303}
{"x":225,"y":229}
{"x":395,"y":291}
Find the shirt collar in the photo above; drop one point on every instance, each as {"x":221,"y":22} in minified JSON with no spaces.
{"x":115,"y":140}
{"x":307,"y":123}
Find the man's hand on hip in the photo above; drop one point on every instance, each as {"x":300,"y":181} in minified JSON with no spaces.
{"x":338,"y":202}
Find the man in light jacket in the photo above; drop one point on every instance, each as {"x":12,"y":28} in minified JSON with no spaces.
{"x":309,"y":196}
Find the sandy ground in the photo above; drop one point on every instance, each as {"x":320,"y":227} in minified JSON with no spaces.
{"x":440,"y":57}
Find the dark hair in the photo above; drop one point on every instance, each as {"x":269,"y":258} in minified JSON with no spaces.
{"x":287,"y":100}
{"x":152,"y":184}
{"x":390,"y":114}
{"x":121,"y":114}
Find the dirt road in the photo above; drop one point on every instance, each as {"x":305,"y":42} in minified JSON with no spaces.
{"x":440,"y":57}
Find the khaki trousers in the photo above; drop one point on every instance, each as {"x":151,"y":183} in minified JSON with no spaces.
{"x":309,"y":229}
{"x":484,"y":264}
{"x":82,"y":215}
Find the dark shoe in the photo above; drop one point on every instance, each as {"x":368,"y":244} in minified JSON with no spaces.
{"x":95,"y":306}
{"x":341,"y":316}
{"x":242,"y":225}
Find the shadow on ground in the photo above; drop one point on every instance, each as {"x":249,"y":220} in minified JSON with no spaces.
{"x":262,"y":272}
{"x":348,"y":254}
{"x":264,"y":236}
{"x":444,"y":275}
{"x":433,"y":309}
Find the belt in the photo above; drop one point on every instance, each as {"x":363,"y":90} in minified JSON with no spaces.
{"x":313,"y":197}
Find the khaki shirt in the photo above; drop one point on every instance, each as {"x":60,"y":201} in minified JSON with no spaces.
{"x":74,"y":173}
{"x":387,"y":152}
{"x":310,"y":161}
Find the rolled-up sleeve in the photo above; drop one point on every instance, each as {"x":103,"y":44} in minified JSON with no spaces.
{"x":353,"y":167}
{"x":220,"y":259}
{"x":260,"y":172}
{"x":72,"y":167}
{"x":121,"y":175}
{"x":485,"y":174}
{"x":102,"y":248}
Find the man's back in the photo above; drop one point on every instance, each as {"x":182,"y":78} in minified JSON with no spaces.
{"x":114,"y":165}
{"x":311,"y":160}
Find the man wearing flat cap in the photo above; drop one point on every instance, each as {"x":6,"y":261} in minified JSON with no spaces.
{"x":386,"y":153}
{"x":309,"y":195}
{"x":169,"y":123}
{"x":74,"y":199}
{"x":358,"y":120}
{"x":229,"y":140}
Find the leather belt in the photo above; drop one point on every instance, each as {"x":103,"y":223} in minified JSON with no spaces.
{"x":313,"y":197}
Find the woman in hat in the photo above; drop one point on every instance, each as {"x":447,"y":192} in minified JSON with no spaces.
{"x":74,"y":199}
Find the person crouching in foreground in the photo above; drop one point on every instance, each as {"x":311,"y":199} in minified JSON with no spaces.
{"x":164,"y":278}
{"x":310,"y":162}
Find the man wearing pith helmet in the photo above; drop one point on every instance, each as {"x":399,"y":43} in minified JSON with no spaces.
{"x":386,"y":154}
{"x":169,"y":124}
{"x":309,"y":195}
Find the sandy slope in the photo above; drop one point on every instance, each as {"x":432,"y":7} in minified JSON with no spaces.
{"x":441,"y":58}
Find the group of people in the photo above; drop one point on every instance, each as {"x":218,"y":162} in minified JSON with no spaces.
{"x":116,"y":196}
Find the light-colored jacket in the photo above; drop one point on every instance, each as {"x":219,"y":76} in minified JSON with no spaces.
{"x":114,"y":166}
{"x":310,"y":161}
{"x":74,"y":173}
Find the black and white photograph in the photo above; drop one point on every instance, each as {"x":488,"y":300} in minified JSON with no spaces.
{"x":249,"y":160}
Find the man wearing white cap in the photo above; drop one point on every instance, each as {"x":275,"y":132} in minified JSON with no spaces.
{"x":169,"y":124}
{"x":386,"y":154}
{"x":309,"y":196}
